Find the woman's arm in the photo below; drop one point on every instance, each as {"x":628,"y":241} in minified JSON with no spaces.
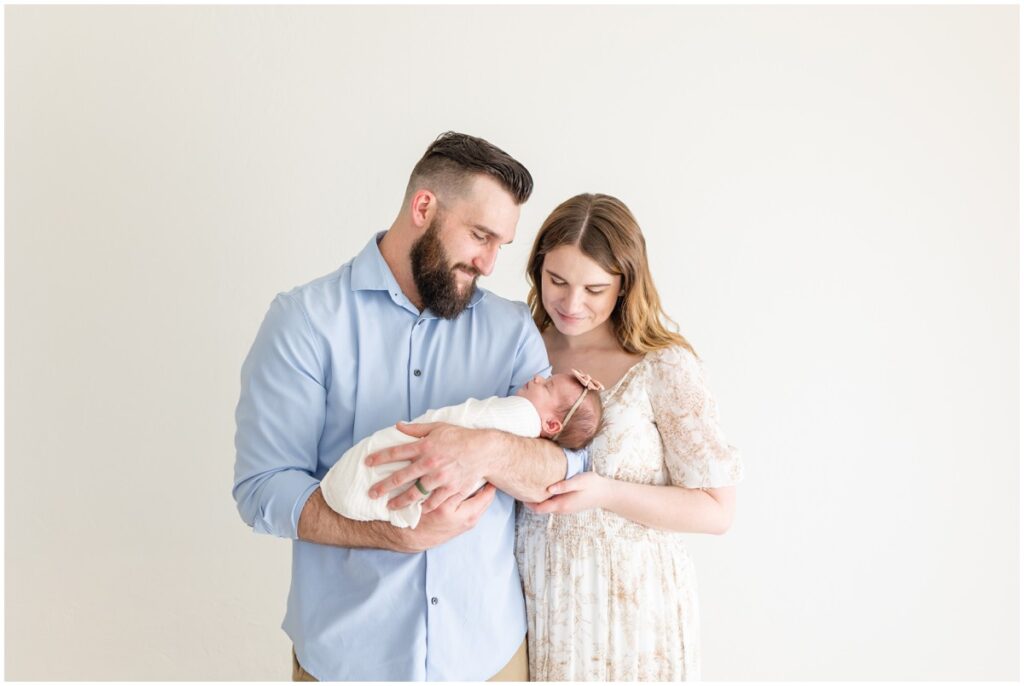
{"x":702,"y":467}
{"x":670,"y":508}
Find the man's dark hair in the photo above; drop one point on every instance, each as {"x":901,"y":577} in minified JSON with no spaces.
{"x":453,"y":158}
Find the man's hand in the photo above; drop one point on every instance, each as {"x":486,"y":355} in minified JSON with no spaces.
{"x":318,"y":523}
{"x":448,"y":460}
{"x":584,"y":491}
{"x":453,"y":517}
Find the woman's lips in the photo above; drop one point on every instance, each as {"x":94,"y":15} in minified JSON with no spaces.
{"x":568,"y":317}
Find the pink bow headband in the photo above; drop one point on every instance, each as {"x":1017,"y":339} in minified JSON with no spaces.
{"x":589,"y":383}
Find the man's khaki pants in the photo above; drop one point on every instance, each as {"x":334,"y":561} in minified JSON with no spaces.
{"x":517,"y":669}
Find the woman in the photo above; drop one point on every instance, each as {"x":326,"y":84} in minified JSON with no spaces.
{"x":610,"y":590}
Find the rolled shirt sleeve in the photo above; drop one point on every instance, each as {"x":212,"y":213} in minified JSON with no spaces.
{"x":279,"y":420}
{"x":576,"y":462}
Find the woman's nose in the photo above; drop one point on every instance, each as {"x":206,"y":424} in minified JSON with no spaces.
{"x":574,"y":300}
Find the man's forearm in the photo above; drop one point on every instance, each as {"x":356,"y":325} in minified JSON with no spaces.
{"x":524,"y":467}
{"x":318,"y":523}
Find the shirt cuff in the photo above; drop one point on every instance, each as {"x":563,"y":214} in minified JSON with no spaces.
{"x":575,"y":462}
{"x":280,"y":513}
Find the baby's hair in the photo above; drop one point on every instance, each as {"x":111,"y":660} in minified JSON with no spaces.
{"x":584,"y":423}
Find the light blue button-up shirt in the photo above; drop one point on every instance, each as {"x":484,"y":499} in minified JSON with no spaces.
{"x":334,"y":361}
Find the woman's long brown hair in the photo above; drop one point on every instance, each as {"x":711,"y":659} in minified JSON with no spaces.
{"x":604,"y":230}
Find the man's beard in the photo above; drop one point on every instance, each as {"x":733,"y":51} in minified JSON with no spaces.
{"x":434,"y":275}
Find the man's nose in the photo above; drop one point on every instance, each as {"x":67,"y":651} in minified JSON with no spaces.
{"x":485,"y":263}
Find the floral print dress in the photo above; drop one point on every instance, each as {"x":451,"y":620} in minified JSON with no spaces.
{"x":608,"y":599}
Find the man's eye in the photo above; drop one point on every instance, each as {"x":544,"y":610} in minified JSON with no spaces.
{"x":479,"y":237}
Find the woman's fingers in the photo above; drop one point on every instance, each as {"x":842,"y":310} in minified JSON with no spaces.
{"x":565,"y":486}
{"x":553,"y":505}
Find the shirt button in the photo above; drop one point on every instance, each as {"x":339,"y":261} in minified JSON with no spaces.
{"x":433,"y":601}
{"x":416,"y":372}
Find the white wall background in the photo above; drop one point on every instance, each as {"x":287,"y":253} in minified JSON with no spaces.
{"x":830,"y":195}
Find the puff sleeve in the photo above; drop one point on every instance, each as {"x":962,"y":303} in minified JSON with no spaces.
{"x":696,"y":453}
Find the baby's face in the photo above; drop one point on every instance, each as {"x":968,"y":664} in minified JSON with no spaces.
{"x":547,"y":395}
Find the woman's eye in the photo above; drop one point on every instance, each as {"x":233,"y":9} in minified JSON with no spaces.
{"x":598,"y":291}
{"x":556,"y":282}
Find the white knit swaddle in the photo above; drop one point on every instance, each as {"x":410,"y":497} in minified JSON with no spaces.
{"x":346,"y":486}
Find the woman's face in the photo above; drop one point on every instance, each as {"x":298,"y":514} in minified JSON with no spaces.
{"x":576,"y":292}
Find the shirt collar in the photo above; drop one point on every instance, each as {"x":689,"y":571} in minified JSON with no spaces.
{"x":371,"y":273}
{"x":369,"y":270}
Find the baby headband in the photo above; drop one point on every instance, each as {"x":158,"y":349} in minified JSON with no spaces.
{"x":589,"y":383}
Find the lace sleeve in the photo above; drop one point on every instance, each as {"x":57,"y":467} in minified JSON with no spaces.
{"x":696,"y":453}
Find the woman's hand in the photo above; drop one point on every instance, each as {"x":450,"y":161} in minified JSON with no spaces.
{"x":584,"y":491}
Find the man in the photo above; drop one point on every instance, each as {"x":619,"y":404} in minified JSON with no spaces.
{"x":400,"y":329}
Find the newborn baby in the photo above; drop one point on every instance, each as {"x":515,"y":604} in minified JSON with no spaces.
{"x":559,"y":408}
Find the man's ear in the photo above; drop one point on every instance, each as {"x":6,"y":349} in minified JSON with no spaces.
{"x":422,"y":208}
{"x":552,"y":426}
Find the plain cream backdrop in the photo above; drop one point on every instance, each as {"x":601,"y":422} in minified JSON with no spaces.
{"x":830,"y":198}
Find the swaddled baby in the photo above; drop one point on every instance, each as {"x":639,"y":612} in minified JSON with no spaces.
{"x":559,"y":408}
